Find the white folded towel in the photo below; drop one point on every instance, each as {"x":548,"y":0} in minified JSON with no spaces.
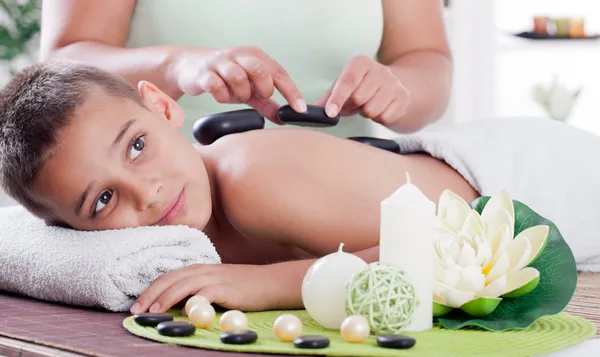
{"x":550,"y":166}
{"x":102,"y":269}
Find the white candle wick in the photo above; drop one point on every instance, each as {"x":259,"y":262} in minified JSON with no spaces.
{"x":407,"y":178}
{"x":340,"y":248}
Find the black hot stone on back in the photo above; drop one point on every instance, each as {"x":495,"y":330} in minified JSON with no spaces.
{"x":311,"y":341}
{"x":395,"y":341}
{"x":208,"y":129}
{"x":238,"y":337}
{"x":314,"y":116}
{"x":176,"y":328}
{"x":151,"y":319}
{"x":385,"y":144}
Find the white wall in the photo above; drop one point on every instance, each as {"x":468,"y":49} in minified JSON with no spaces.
{"x":520,"y":64}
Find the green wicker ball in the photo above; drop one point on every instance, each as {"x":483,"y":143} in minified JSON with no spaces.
{"x":383,"y":295}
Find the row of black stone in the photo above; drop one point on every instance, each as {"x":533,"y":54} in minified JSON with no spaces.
{"x":167,"y":327}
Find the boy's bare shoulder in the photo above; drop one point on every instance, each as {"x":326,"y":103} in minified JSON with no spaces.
{"x":253,"y":172}
{"x":267,"y":156}
{"x":273,"y":147}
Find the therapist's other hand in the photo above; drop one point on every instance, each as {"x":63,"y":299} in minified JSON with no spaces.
{"x":236,"y":75}
{"x":369,"y":88}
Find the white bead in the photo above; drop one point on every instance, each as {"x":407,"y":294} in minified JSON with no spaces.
{"x":233,"y":320}
{"x":195,"y":300}
{"x":287,"y":327}
{"x":202,"y":315}
{"x":355,"y":329}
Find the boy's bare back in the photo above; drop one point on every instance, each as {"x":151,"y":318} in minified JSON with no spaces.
{"x":294,"y":193}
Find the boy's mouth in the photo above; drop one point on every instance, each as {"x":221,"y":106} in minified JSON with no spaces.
{"x":173,"y":209}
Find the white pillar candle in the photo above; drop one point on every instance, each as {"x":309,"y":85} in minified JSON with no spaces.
{"x":406,"y":240}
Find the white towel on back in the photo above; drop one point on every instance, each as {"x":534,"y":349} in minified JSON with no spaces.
{"x":104,"y":269}
{"x":552,"y":167}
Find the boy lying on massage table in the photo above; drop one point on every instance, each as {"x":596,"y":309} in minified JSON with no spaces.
{"x":80,"y":147}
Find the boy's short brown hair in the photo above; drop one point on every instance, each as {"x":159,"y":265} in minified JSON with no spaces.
{"x":35,"y":105}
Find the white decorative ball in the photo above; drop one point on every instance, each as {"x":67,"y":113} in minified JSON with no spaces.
{"x":324,"y":287}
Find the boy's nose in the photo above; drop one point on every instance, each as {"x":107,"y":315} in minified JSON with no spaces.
{"x":147,"y":193}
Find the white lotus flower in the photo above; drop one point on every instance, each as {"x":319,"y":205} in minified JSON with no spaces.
{"x":477,"y":261}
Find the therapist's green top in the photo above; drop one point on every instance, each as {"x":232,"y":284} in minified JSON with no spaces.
{"x":312,"y":39}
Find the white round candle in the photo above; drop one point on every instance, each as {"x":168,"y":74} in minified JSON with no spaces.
{"x":324,"y":287}
{"x":406,"y":240}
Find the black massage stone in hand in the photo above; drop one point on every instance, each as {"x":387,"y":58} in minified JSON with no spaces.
{"x":385,"y":144}
{"x":314,"y":116}
{"x":152,"y":319}
{"x":176,"y":328}
{"x":208,"y":129}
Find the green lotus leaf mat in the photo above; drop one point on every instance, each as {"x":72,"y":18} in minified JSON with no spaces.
{"x":547,"y":334}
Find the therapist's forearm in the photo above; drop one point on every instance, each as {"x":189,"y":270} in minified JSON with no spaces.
{"x":134,"y":64}
{"x":428,"y":77}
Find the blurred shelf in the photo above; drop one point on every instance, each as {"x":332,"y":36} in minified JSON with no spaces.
{"x":508,"y":42}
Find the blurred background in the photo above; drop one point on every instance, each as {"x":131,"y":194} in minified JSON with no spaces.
{"x":512,"y":58}
{"x":497,"y":74}
{"x":501,"y":75}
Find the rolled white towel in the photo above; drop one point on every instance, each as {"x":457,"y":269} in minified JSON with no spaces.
{"x":103,"y":269}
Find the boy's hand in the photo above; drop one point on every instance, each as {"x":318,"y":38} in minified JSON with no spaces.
{"x":242,"y":287}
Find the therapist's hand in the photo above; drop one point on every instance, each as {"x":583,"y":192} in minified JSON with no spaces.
{"x":236,"y":75}
{"x":369,"y":88}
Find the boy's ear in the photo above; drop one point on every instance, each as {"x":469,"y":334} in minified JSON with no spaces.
{"x":160,"y":103}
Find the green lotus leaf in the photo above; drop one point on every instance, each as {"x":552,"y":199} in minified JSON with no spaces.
{"x":556,"y":286}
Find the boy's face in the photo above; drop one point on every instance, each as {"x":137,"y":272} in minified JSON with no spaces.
{"x":119,"y":165}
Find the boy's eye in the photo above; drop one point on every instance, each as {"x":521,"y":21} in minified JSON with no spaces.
{"x":136,"y":148}
{"x":102,"y":201}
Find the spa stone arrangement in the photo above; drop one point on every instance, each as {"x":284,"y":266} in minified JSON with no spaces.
{"x":489,"y":265}
{"x":340,"y":291}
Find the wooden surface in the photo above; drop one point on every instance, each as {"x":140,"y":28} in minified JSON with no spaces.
{"x":586,"y":301}
{"x":30,"y":327}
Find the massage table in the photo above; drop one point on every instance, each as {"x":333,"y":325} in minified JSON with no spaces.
{"x":31,"y":327}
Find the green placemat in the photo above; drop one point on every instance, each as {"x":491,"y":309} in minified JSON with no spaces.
{"x":548,"y":334}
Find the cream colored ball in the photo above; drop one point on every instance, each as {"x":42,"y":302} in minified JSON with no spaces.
{"x":324,"y":287}
{"x":195,"y":300}
{"x":233,"y":320}
{"x":202,"y":315}
{"x":355,"y":329}
{"x":287,"y":327}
